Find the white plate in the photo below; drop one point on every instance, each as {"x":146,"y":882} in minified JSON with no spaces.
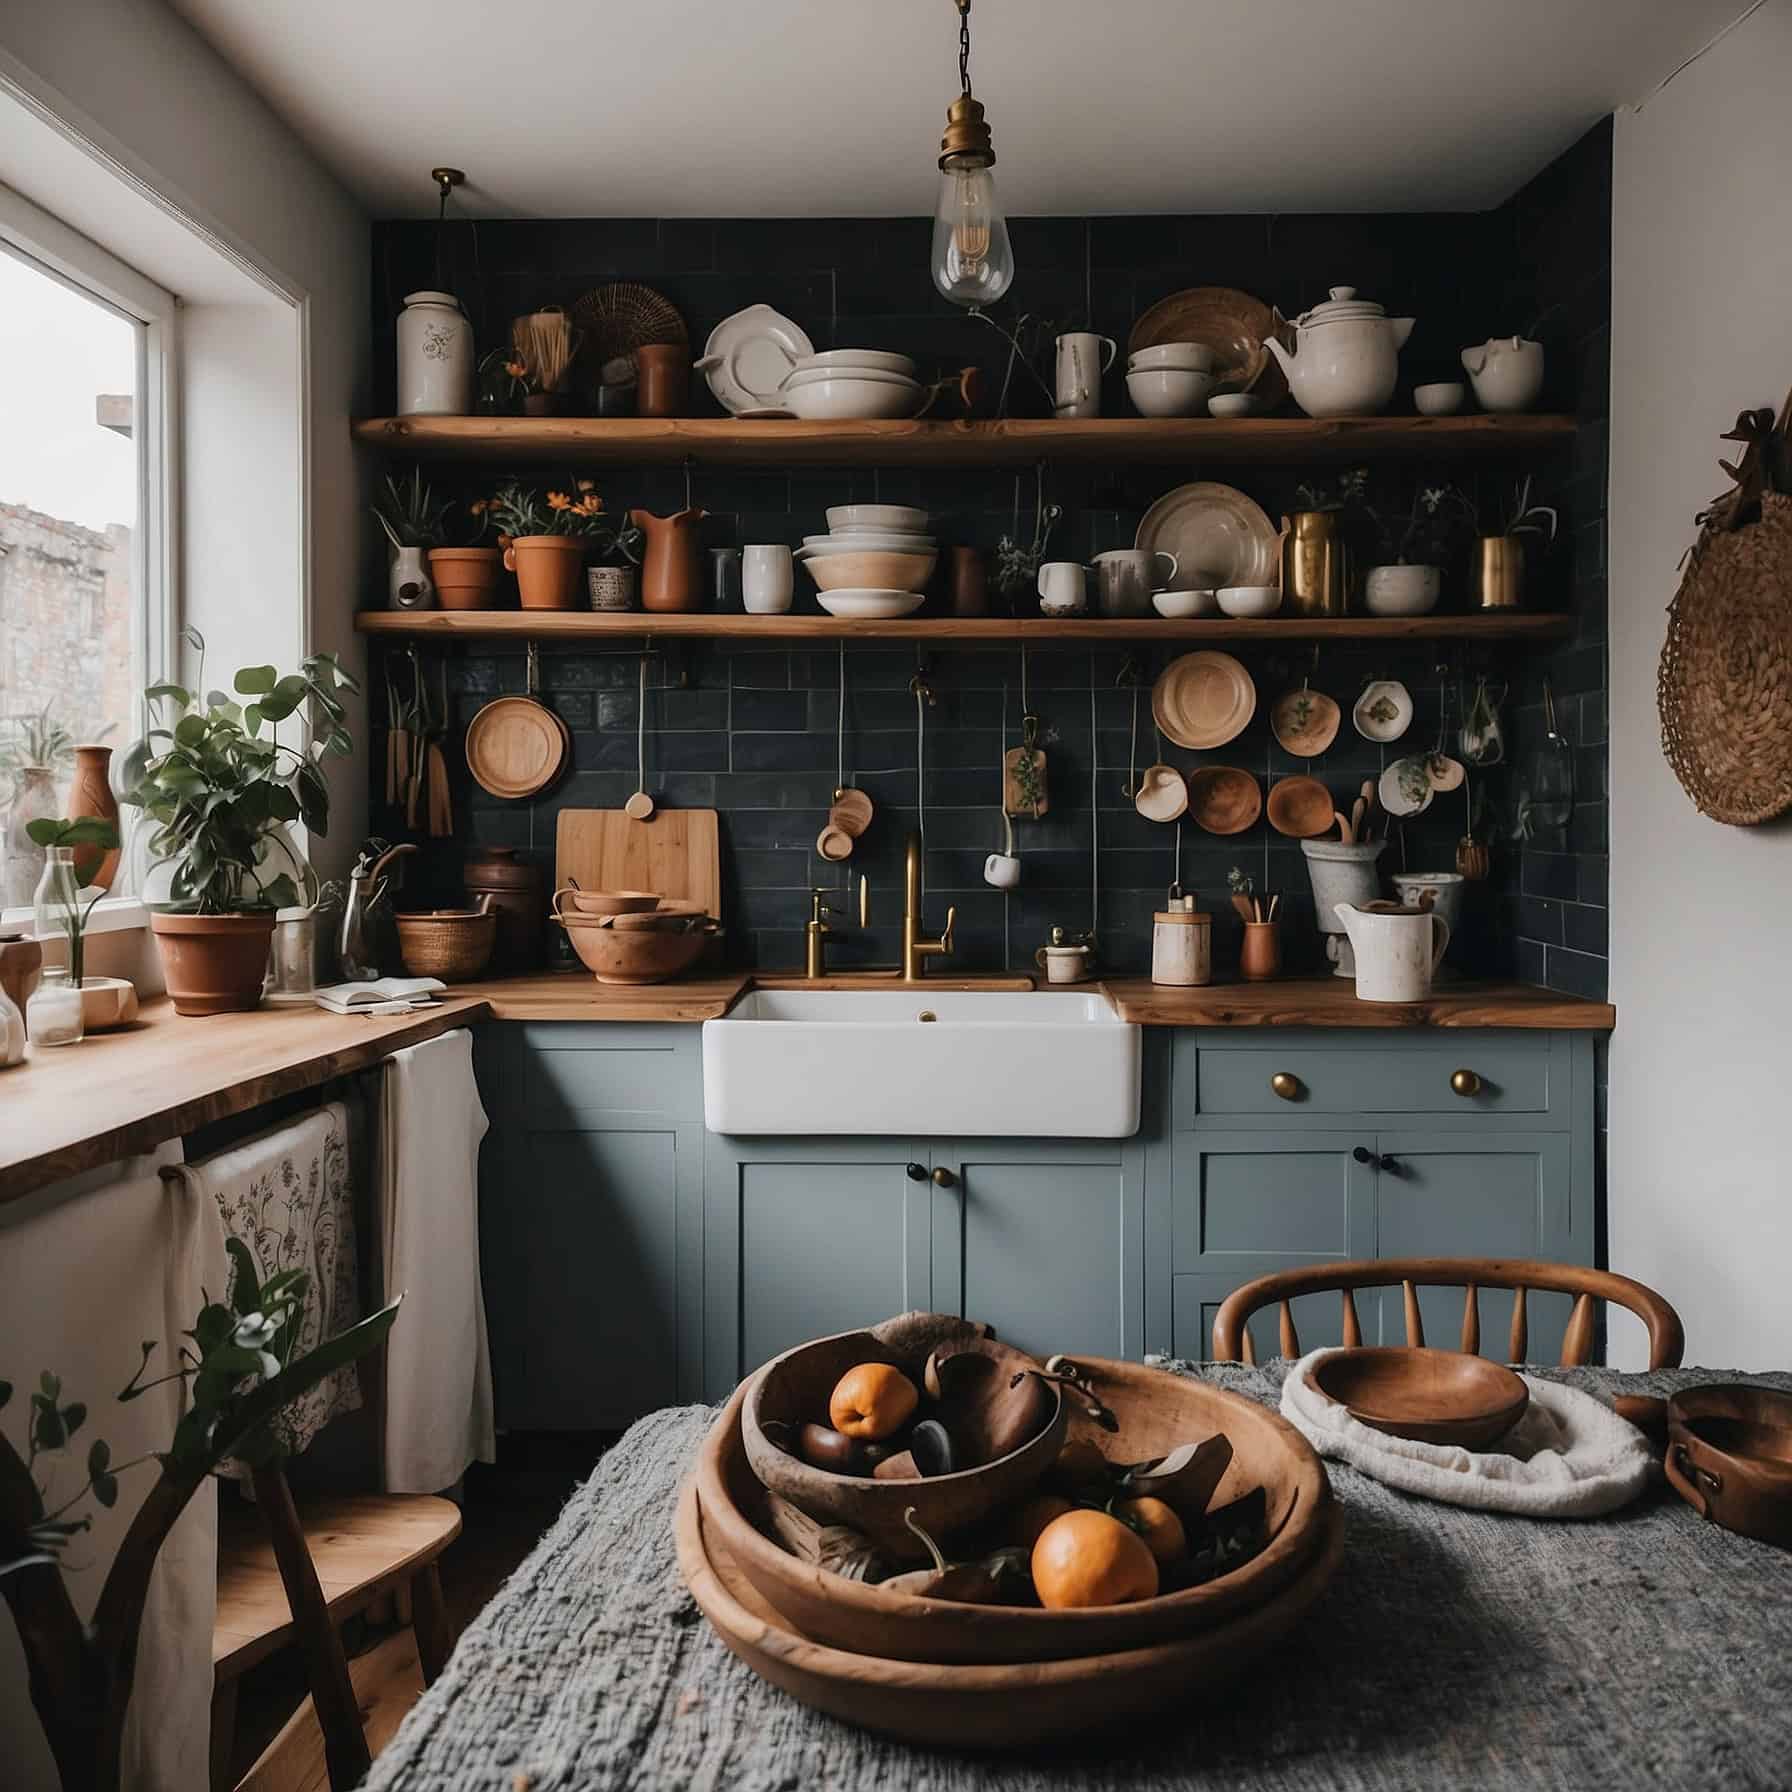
{"x":869,"y":603}
{"x":1376,"y":722}
{"x":897,"y":519}
{"x":1406,"y":787}
{"x":747,"y":357}
{"x":1219,"y":537}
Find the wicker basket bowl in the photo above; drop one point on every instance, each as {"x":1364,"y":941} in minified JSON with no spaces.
{"x":454,"y":944}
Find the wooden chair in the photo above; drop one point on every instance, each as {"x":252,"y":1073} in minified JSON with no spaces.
{"x":1232,"y":1336}
{"x":282,"y":1578}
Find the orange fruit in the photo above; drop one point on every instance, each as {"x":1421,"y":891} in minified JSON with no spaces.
{"x":1157,"y":1524}
{"x":1033,"y":1515}
{"x":872,"y":1401}
{"x":1088,"y":1558}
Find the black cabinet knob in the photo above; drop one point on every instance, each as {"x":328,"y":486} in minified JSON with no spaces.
{"x":916,"y":1173}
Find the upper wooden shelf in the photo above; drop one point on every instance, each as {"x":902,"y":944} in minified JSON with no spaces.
{"x":727,"y":441}
{"x":543,"y":625}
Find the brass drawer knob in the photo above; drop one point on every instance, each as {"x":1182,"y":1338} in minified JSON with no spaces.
{"x":943,"y":1178}
{"x":1465,"y":1082}
{"x":1286,"y":1085}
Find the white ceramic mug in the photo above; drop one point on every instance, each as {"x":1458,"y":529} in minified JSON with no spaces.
{"x":1063,"y":964}
{"x":1061,"y":588}
{"x":766,"y":582}
{"x":1083,"y":357}
{"x":1124,"y":579}
{"x":1002,"y":869}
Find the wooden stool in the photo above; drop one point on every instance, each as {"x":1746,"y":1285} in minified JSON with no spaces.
{"x":285,"y":1577}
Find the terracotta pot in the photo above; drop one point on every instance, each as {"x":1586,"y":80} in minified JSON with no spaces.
{"x":214,"y":964}
{"x":670,"y":580}
{"x":550,"y":570}
{"x":91,"y":794}
{"x":466,"y":578}
{"x":1261,"y":955}
{"x":664,"y":373}
{"x":515,"y":889}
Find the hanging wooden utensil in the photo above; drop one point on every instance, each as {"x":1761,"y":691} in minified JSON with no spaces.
{"x":640,"y":806}
{"x":1024,"y":790}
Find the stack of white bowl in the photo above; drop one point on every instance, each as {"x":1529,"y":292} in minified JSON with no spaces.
{"x":1171,"y":379}
{"x":843,"y":383}
{"x":874,"y":561}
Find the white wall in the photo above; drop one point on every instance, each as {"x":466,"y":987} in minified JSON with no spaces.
{"x":1700,"y":1183}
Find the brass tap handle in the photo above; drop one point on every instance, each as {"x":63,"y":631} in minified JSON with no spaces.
{"x":1465,"y":1082}
{"x":951,"y":922}
{"x":1286,"y":1085}
{"x":818,"y":907}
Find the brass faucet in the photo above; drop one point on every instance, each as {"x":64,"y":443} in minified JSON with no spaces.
{"x":817,"y":933}
{"x":915,"y":950}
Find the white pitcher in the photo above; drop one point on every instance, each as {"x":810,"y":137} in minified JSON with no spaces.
{"x":1396,"y":950}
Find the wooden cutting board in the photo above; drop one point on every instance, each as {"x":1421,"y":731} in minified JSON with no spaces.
{"x":675,"y":852}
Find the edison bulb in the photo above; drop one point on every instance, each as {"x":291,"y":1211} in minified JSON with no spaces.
{"x":973,"y":263}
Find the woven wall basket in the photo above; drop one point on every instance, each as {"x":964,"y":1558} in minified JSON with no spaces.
{"x":1725,"y":685}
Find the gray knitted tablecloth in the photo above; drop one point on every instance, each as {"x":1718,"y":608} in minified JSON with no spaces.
{"x":1453,"y":1650}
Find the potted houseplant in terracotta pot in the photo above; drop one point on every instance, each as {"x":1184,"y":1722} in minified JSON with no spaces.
{"x":466,"y":576}
{"x":547,"y":540}
{"x":411,"y":515}
{"x":221,"y":787}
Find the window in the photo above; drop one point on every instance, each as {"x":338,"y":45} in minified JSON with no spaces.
{"x":83,"y":515}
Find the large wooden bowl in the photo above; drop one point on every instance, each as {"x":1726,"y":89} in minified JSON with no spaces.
{"x":991,"y":1706}
{"x":1157,"y":1413}
{"x":794,"y":1389}
{"x":618,"y":955}
{"x":1730,"y":1457}
{"x":1430,"y":1396}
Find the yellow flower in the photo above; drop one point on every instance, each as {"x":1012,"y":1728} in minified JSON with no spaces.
{"x":559,"y":501}
{"x":590,"y":505}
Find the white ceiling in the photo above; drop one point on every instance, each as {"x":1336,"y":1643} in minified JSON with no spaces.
{"x":721,"y":108}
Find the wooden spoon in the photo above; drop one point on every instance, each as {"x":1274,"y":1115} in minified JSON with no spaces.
{"x":1346,"y":831}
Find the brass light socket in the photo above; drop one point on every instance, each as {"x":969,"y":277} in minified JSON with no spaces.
{"x":967,"y":140}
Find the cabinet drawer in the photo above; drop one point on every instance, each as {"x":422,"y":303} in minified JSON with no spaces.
{"x":1510,"y":1076}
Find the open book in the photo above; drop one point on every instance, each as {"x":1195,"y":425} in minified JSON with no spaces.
{"x":384,"y":995}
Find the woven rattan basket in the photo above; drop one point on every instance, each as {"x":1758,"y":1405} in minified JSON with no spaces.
{"x":1725,"y":684}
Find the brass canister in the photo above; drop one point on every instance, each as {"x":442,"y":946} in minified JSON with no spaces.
{"x":1499,"y":572}
{"x":1315,"y":569}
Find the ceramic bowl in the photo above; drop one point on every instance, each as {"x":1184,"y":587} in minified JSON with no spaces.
{"x":1183,"y":357}
{"x":857,"y":360}
{"x":901,"y":519}
{"x":1177,"y":604}
{"x":884,"y":571}
{"x":839,"y":400}
{"x":871,"y":605}
{"x":1234,"y":404}
{"x":1223,"y":799}
{"x":1304,"y":722}
{"x":1406,"y":788}
{"x":1162,"y":793}
{"x":1169,"y":391}
{"x":1300,"y":807}
{"x":1443,"y":398}
{"x":1383,"y":712}
{"x":870,"y":376}
{"x":107,"y":1002}
{"x":1402,"y":590}
{"x":858,"y":541}
{"x":1243,"y":601}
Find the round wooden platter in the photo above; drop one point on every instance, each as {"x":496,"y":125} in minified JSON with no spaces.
{"x":992,"y":1706}
{"x":516,"y":747}
{"x":1157,"y":1413}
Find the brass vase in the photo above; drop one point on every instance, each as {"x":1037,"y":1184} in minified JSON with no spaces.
{"x":1315,"y":564}
{"x":1499,"y":572}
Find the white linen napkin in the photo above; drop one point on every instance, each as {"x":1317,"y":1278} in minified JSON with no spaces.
{"x":1569,"y":1456}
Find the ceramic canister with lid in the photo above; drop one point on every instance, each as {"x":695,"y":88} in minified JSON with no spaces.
{"x":1181,"y":944}
{"x":435,"y":357}
{"x":514,"y":886}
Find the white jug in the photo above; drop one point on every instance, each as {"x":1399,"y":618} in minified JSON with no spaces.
{"x":1396,"y":950}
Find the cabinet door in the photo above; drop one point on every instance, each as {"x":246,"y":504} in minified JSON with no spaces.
{"x":1505,"y":1194}
{"x":579,"y":1254}
{"x":804,"y":1237}
{"x":1044,"y":1240}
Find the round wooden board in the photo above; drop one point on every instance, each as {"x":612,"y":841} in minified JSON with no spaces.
{"x":1015,"y":1706}
{"x":516,"y":747}
{"x":1203,"y":700}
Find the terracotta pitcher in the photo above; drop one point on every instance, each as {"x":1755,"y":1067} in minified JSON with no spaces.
{"x":670,"y":579}
{"x":91,"y":794}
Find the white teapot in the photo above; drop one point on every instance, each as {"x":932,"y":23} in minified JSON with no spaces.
{"x":1506,"y":372}
{"x":1346,"y":356}
{"x":1397,"y":950}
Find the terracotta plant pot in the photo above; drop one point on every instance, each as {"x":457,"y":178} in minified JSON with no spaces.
{"x":214,"y":964}
{"x":466,"y":578}
{"x":1261,"y":955}
{"x":550,"y":570}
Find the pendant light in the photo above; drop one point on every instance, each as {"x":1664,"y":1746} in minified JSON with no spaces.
{"x":973,"y":262}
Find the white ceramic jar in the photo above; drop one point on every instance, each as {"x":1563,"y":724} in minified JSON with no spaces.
{"x":12,"y":1032}
{"x":408,"y":584}
{"x":435,"y":357}
{"x":1506,"y":371}
{"x":1182,"y":946}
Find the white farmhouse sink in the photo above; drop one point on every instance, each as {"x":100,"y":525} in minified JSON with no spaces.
{"x":1046,"y":1064}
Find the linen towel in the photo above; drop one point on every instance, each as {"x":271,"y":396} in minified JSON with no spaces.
{"x":1569,"y":1456}
{"x":438,"y":1366}
{"x":88,"y":1270}
{"x":288,"y":1194}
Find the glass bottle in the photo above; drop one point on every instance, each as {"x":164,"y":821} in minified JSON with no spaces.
{"x":53,"y":1014}
{"x":57,"y":906}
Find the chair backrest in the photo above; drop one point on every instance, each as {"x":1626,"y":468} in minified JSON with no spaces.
{"x":1232,"y":1337}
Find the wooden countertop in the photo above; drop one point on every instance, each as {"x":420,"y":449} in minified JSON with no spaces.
{"x":1332,"y":1002}
{"x":575,"y":995}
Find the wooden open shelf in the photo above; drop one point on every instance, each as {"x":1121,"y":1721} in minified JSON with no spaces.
{"x":728,"y":441}
{"x":585,"y":625}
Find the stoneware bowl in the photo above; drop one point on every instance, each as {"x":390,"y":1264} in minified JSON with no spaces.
{"x":1402,"y":590}
{"x":859,"y":360}
{"x":903,"y":518}
{"x":859,"y":541}
{"x":871,"y":571}
{"x":1177,"y":604}
{"x":1234,"y":404}
{"x":107,"y":1002}
{"x":1304,"y":722}
{"x":1430,"y":1396}
{"x":836,"y":400}
{"x":1169,"y":391}
{"x":1384,"y":711}
{"x":1181,"y":357}
{"x":1246,"y":601}
{"x":1443,"y":398}
{"x":1162,"y":793}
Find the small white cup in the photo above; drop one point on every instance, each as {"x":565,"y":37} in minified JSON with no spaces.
{"x":766,"y":580}
{"x":1062,"y":591}
{"x":1002,"y":869}
{"x":1063,"y":964}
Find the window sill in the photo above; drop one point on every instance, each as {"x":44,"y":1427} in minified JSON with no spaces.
{"x":111,"y":914}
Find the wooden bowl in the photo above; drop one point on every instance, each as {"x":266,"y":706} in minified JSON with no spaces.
{"x":991,"y":1706}
{"x":614,"y":955}
{"x":1430,"y":1396}
{"x":1223,"y":800}
{"x":1158,"y":1413}
{"x":450,"y":943}
{"x":1730,"y":1457}
{"x":794,"y":1389}
{"x":605,"y":902}
{"x":1301,"y":808}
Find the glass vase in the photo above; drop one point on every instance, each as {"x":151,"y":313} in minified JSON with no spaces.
{"x":57,"y":906}
{"x":53,"y":1014}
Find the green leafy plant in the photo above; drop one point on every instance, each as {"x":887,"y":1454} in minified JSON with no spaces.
{"x":239,"y":1374}
{"x":410,"y":513}
{"x":37,"y":740}
{"x":220,"y":784}
{"x":84,"y":830}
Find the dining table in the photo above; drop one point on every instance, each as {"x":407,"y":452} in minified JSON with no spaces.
{"x":1453,"y":1649}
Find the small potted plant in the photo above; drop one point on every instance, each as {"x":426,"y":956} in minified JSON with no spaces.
{"x":466,"y":575}
{"x":1414,"y":549}
{"x":411,"y":515}
{"x":221,"y":789}
{"x":96,"y":1002}
{"x":1260,"y":952}
{"x":547,"y":539}
{"x":1499,"y":556}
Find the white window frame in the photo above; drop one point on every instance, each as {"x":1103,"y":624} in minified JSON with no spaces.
{"x":79,"y":263}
